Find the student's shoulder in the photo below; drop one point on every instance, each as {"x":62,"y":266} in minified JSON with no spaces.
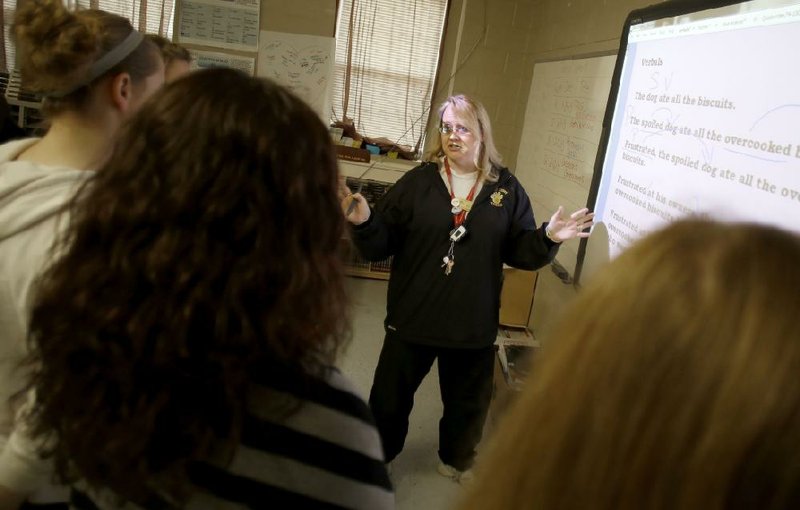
{"x":342,"y":394}
{"x":10,"y":150}
{"x":327,"y":387}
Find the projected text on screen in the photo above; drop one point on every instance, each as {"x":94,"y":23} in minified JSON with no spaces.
{"x":706,"y":123}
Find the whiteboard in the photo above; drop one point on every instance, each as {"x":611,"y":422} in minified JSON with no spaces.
{"x":563,"y":123}
{"x":302,"y":63}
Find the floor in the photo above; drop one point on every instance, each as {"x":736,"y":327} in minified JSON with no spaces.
{"x":417,"y":484}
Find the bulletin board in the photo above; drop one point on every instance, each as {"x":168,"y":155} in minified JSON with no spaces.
{"x":303,"y":64}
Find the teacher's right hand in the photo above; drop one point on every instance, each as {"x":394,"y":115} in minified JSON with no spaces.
{"x":355,"y":207}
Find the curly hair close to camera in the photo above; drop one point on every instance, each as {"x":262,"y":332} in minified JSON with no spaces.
{"x":203,"y":256}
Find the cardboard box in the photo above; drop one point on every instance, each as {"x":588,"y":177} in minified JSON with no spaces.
{"x":352,"y":154}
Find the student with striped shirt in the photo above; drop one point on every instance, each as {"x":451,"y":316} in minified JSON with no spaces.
{"x":184,"y":341}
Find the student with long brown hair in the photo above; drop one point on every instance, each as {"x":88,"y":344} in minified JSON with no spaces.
{"x":185,"y":340}
{"x":93,"y":70}
{"x":672,"y":382}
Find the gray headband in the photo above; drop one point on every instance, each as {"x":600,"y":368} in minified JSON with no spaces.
{"x":102,"y":65}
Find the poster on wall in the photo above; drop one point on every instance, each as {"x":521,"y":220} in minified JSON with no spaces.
{"x":563,"y":124}
{"x":230,"y":24}
{"x":209,"y":60}
{"x":302,"y":63}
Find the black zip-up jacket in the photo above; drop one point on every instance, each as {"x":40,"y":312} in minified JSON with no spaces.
{"x":413,"y":221}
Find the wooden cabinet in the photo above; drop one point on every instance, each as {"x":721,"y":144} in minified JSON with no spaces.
{"x":516,"y":298}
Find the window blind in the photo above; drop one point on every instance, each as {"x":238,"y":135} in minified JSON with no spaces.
{"x":150,"y":16}
{"x":387,"y":56}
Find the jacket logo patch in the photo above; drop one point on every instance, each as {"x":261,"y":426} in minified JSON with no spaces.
{"x":498,"y":196}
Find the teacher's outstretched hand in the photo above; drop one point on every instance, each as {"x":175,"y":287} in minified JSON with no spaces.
{"x":563,"y":228}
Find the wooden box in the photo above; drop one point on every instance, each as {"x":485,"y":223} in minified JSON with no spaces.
{"x":352,"y":154}
{"x":516,"y":298}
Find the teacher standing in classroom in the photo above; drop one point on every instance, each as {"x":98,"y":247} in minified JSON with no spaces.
{"x":450,"y":223}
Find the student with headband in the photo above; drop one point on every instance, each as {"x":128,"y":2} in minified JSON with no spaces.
{"x":93,"y":69}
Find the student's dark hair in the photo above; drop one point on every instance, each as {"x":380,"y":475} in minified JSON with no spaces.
{"x":203,"y":254}
{"x":56,"y":48}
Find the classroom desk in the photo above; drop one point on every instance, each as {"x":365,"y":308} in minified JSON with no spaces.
{"x":507,"y":383}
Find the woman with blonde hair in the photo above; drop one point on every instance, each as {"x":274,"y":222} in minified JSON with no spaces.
{"x":474,"y":119}
{"x":93,"y":70}
{"x":450,"y":223}
{"x":671,"y":382}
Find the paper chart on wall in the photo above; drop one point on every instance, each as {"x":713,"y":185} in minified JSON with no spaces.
{"x":210,"y":60}
{"x":563,"y":124}
{"x":230,"y":24}
{"x":302,"y":63}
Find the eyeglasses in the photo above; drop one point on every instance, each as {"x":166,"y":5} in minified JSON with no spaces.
{"x":446,"y":129}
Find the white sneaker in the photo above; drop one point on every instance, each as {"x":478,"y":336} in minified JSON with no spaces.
{"x":454,"y":474}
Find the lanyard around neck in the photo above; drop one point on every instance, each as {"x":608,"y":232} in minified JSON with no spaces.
{"x":459,"y":217}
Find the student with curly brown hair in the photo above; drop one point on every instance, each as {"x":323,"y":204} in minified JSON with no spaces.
{"x":185,"y":340}
{"x":94,"y":69}
{"x":671,"y":382}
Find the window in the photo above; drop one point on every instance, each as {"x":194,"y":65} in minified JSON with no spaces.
{"x":151,"y":16}
{"x":387,"y":54}
{"x":148,"y":16}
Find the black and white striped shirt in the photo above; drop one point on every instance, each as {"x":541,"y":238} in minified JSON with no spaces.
{"x":325,"y":455}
